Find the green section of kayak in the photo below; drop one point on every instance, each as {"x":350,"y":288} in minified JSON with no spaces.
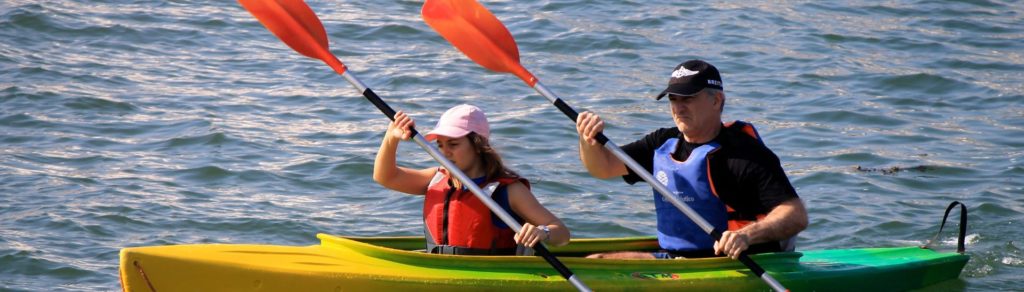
{"x":879,"y":269}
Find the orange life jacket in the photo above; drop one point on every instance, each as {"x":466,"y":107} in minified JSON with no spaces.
{"x":460,"y":223}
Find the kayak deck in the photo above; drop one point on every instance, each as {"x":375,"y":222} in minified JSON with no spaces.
{"x":375,"y":263}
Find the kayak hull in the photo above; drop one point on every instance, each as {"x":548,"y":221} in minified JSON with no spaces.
{"x":389,"y":263}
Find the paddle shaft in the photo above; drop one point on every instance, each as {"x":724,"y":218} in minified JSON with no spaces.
{"x":660,"y":188}
{"x":540,"y":249}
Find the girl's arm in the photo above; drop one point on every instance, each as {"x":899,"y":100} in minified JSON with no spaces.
{"x":386,"y":171}
{"x":526,"y":206}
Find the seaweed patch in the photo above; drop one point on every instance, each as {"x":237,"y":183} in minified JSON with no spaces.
{"x":893,"y":170}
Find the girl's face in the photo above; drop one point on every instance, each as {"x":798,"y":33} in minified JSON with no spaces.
{"x":461,"y":152}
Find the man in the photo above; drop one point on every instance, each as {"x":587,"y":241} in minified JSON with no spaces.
{"x":722,"y":171}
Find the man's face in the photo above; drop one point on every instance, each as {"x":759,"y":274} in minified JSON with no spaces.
{"x":695,"y":112}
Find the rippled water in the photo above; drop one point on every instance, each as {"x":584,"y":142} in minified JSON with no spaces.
{"x":131,"y":123}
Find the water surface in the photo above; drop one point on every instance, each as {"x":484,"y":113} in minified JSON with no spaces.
{"x":134,"y":123}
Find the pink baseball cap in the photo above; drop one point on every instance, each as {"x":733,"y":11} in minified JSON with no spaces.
{"x":459,"y":121}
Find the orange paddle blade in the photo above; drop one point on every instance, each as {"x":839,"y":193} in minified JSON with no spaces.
{"x":475,"y":31}
{"x":296,"y":25}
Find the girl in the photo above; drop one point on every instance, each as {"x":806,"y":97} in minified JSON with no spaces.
{"x":456,"y":221}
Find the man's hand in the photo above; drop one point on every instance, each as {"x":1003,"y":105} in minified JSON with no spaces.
{"x":783,"y":222}
{"x":732,"y":244}
{"x":588,"y":125}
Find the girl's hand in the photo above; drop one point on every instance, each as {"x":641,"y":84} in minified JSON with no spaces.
{"x":530,"y":235}
{"x":400,"y":127}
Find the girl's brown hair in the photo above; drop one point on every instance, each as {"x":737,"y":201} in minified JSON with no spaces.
{"x":494,"y":168}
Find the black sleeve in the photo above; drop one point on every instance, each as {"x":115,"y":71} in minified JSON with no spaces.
{"x":771,"y":182}
{"x":753,"y":181}
{"x":643,"y":151}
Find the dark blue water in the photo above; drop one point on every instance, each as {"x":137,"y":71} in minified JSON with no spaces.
{"x":132,"y":123}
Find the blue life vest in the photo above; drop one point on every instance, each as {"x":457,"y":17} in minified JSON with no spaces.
{"x":688,"y":181}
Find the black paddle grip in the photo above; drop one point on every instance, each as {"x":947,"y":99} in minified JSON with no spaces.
{"x":561,"y":268}
{"x":745,"y":259}
{"x":379,"y":103}
{"x":566,"y":109}
{"x":716,"y":234}
{"x":384,"y":107}
{"x":573,"y":115}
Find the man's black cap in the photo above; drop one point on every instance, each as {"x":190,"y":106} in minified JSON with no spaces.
{"x":691,"y":77}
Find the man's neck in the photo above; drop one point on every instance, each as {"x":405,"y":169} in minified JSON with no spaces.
{"x":701,"y":136}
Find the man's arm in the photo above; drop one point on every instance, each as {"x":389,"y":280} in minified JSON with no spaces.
{"x":600,"y":162}
{"x":784,"y":221}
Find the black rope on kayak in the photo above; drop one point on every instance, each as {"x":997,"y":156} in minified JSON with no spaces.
{"x":963,"y":227}
{"x":143,"y":273}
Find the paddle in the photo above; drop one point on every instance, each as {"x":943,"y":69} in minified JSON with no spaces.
{"x":298,"y":26}
{"x":476,"y":32}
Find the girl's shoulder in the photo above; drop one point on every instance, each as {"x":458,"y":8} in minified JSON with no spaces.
{"x":515,"y":184}
{"x":511,"y":178}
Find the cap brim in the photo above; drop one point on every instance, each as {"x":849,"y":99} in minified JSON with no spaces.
{"x":680,"y":89}
{"x":450,"y":132}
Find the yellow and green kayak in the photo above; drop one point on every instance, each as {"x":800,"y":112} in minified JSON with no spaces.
{"x":392,"y":263}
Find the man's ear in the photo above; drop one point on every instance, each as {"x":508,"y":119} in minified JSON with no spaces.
{"x":720,"y":100}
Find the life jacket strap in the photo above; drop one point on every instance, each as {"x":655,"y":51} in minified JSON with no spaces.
{"x":455,"y":250}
